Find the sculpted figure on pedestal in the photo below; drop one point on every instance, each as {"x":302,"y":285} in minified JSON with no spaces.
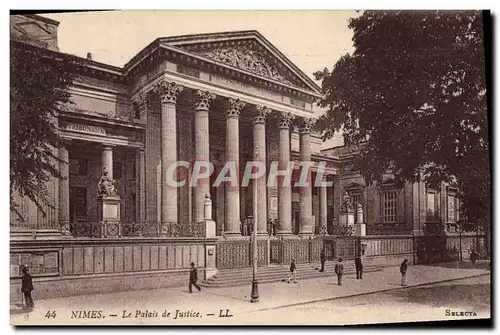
{"x":106,"y":185}
{"x":346,"y":203}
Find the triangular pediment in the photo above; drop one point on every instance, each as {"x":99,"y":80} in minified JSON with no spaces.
{"x":247,"y":51}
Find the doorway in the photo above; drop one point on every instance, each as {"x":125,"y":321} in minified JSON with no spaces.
{"x":78,"y":204}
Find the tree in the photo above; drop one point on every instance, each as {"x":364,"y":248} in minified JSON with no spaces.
{"x":38,"y":93}
{"x":412,"y":98}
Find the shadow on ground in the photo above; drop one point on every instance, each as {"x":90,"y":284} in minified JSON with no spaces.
{"x":456,"y":295}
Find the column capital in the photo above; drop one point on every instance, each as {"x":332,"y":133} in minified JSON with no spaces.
{"x":262,"y":113}
{"x":307,"y":125}
{"x":235,"y":107}
{"x":285,"y":120}
{"x":168,"y":92}
{"x":204,"y":100}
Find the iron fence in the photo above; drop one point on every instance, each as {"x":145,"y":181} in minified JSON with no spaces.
{"x":341,"y":230}
{"x":388,"y":229}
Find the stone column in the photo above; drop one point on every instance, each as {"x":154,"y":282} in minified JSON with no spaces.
{"x":168,"y":93}
{"x":202,"y":150}
{"x":323,"y":209}
{"x":64,"y":186}
{"x":232,"y":196}
{"x":140,"y":170}
{"x":107,"y":160}
{"x":259,"y":144}
{"x":306,"y":224}
{"x":284,"y":190}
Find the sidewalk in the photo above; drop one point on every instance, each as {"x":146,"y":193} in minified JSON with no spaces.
{"x":151,"y":304}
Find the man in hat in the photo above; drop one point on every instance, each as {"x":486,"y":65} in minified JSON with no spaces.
{"x":27,"y":286}
{"x":339,"y":271}
{"x":193,"y":278}
{"x":293,"y":272}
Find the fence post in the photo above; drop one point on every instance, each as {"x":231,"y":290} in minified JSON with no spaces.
{"x":413,"y":248}
{"x":460,"y":243}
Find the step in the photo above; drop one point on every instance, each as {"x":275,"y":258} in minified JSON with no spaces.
{"x":248,"y":280}
{"x":276,"y":277}
{"x":267,"y":271}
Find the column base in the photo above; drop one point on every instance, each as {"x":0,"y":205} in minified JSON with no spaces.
{"x":286,"y":235}
{"x":233,"y":234}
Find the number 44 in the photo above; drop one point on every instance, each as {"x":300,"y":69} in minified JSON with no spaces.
{"x":50,"y":314}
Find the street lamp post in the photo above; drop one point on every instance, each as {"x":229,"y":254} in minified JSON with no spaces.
{"x":255,"y":283}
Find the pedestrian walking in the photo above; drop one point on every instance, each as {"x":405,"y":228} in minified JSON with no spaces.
{"x":293,"y":272}
{"x":358,"y":263}
{"x":193,"y":278}
{"x":339,"y":271}
{"x":27,"y":287}
{"x":322,"y":258}
{"x":473,"y":258}
{"x":403,"y":269}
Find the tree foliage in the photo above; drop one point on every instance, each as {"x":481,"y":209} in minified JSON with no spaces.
{"x":38,"y":93}
{"x":413,"y":95}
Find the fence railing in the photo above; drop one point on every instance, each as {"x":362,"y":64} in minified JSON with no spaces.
{"x":341,"y":230}
{"x":388,"y":229}
{"x":109,"y":229}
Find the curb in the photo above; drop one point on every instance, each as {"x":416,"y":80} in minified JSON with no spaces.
{"x":367,"y":293}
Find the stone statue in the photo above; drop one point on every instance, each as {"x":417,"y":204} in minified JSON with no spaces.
{"x":106,"y":185}
{"x":346,"y":203}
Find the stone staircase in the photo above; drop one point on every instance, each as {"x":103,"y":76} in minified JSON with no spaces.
{"x":276,"y":273}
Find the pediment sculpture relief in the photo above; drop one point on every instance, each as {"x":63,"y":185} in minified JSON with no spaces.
{"x":246,"y":59}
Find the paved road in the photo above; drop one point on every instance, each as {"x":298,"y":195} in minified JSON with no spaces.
{"x":423,"y":303}
{"x":147,"y":306}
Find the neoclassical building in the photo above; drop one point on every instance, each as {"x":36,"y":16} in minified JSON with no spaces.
{"x":215,"y":97}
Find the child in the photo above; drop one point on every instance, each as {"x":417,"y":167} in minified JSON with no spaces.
{"x":403,"y":268}
{"x":339,"y":271}
{"x":292,"y":272}
{"x":27,"y":287}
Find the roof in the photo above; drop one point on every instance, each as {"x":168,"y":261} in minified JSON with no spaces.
{"x":200,"y":45}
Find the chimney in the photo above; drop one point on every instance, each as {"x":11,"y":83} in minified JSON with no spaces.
{"x":89,"y":55}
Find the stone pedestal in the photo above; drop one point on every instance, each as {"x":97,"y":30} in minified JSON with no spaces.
{"x":346,"y":218}
{"x":109,"y":214}
{"x":109,"y":207}
{"x":209,"y":223}
{"x":360,"y":229}
{"x":210,"y":250}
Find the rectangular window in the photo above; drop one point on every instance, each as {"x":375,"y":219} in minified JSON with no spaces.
{"x":389,"y":206}
{"x":78,"y":166}
{"x":356,"y":198}
{"x":451,"y":209}
{"x":431,"y":206}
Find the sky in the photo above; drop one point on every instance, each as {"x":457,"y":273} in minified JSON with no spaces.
{"x":311,"y":39}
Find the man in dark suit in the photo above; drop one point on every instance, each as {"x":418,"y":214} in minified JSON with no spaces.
{"x":193,"y":278}
{"x":322,"y":258}
{"x":27,"y":287}
{"x":358,"y":262}
{"x":339,"y":271}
